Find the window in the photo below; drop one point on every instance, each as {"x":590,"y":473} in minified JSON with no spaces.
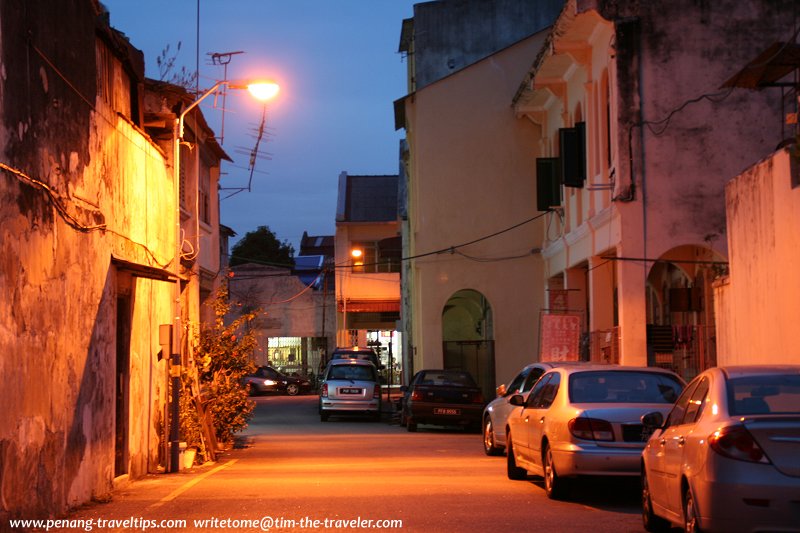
{"x":205,"y":197}
{"x":762,"y":394}
{"x":535,"y":396}
{"x":516,"y":385}
{"x":695,"y":407}
{"x":623,"y":387}
{"x":532,"y":378}
{"x":549,"y":392}
{"x":572,"y":143}
{"x":377,"y":256}
{"x":548,"y":183}
{"x":679,"y":410}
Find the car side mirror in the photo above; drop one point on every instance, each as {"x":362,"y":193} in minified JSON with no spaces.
{"x":653,"y":420}
{"x":517,"y":400}
{"x":501,"y":390}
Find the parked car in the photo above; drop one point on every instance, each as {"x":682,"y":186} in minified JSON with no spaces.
{"x":442,"y":398}
{"x":496,"y":412}
{"x":267,"y":379}
{"x":350,"y":387}
{"x":728,"y":456}
{"x":356,"y":352}
{"x":585,"y":420}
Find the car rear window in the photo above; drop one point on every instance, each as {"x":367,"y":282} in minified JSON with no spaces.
{"x":623,"y":387}
{"x":352,"y":372}
{"x":447,"y":379}
{"x":764,"y":394}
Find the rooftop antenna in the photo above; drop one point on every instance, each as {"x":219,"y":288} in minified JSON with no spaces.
{"x":260,"y":135}
{"x":223,"y":58}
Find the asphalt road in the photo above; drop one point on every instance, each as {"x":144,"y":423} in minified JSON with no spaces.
{"x":292,"y":472}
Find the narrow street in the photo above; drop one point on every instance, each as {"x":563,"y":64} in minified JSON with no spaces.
{"x":293,"y":472}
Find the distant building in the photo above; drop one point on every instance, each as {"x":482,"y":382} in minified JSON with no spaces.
{"x":296,"y":323}
{"x":368,"y":262}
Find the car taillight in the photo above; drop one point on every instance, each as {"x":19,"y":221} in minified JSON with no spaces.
{"x":376,"y":392}
{"x":735,"y":442}
{"x":324,"y":390}
{"x":416,"y":395}
{"x":591,"y":429}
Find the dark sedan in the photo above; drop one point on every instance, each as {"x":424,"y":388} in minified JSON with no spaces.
{"x":442,"y":398}
{"x":267,"y":379}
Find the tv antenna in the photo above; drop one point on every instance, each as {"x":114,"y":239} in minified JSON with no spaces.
{"x":223,"y":59}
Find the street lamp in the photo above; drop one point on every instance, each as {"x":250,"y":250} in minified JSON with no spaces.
{"x":261,"y":90}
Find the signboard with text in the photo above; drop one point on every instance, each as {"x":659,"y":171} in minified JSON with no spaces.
{"x":560,"y":337}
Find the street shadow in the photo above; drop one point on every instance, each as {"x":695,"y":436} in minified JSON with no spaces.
{"x":618,"y":494}
{"x":242,"y":442}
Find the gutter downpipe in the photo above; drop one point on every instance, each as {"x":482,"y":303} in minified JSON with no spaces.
{"x":640,"y":90}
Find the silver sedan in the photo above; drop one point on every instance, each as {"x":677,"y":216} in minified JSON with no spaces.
{"x":728,"y":456}
{"x":495,"y":414}
{"x":586,"y":421}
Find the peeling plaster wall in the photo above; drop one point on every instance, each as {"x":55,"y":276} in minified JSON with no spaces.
{"x":58,"y":286}
{"x":757,"y":308}
{"x":669,"y":55}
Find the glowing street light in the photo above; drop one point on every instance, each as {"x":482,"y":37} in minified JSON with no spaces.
{"x":262,"y":90}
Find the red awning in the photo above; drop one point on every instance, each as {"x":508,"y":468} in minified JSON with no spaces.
{"x":369,"y":306}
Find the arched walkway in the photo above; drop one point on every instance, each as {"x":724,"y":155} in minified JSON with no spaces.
{"x":468,"y":337}
{"x":681,"y":331}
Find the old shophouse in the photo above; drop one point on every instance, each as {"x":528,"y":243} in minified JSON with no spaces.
{"x":93,"y":262}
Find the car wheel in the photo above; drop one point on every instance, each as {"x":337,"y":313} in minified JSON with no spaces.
{"x":651,"y":521}
{"x":513,"y":471}
{"x":292,"y":389}
{"x":251,"y":390}
{"x":489,"y":447}
{"x":690,"y":523}
{"x":323,"y":416}
{"x":411,"y":425}
{"x":555,"y":486}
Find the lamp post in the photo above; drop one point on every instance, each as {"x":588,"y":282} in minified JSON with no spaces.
{"x":261,"y":90}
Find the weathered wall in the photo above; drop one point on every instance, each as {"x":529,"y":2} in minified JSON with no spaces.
{"x":757,"y":309}
{"x":688,"y":136}
{"x":85,"y":185}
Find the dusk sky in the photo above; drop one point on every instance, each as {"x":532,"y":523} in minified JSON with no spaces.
{"x":339,"y":70}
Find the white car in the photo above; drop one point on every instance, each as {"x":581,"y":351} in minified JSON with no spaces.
{"x":728,"y":456}
{"x":496,"y":412}
{"x":350,"y":387}
{"x":585,"y":420}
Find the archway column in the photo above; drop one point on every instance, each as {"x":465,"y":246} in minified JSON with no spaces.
{"x":631,"y":283}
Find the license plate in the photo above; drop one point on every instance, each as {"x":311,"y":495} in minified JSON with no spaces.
{"x":444,"y":411}
{"x":349,"y":391}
